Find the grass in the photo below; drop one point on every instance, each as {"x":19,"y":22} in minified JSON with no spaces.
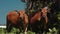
{"x":13,"y":31}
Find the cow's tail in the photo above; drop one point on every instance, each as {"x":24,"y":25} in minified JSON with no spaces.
{"x":7,"y":23}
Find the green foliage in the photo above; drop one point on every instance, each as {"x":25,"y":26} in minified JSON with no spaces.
{"x":14,"y":30}
{"x":53,"y":31}
{"x":58,"y":16}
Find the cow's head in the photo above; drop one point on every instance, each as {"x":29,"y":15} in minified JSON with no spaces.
{"x":22,"y":13}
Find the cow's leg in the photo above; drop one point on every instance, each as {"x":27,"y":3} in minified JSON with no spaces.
{"x":8,"y":27}
{"x":25,"y":24}
{"x":25,"y":29}
{"x":20,"y":29}
{"x":46,"y":22}
{"x":46,"y":19}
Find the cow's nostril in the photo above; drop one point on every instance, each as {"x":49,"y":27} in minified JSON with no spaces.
{"x":20,"y":18}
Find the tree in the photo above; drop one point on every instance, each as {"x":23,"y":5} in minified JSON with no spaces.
{"x":34,"y":5}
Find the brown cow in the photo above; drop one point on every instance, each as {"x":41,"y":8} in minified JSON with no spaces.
{"x":38,"y":16}
{"x":17,"y":19}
